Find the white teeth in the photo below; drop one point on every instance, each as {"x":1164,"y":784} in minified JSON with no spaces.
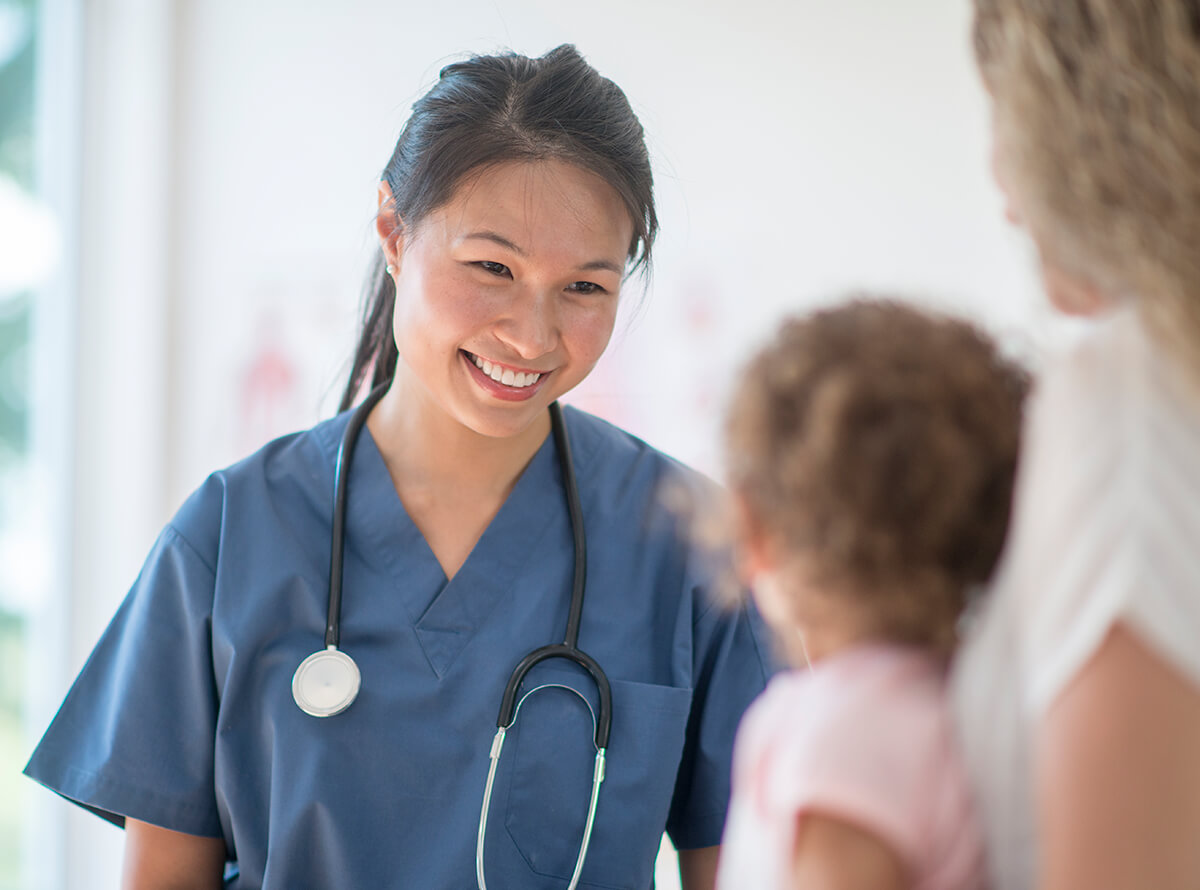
{"x":515,"y":379}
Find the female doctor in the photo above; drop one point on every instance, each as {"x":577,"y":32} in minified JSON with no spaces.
{"x":243,"y":730}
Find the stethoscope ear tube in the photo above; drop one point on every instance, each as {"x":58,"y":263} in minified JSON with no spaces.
{"x":586,"y":842}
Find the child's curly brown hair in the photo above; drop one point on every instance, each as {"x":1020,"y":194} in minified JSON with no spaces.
{"x":878,"y":444}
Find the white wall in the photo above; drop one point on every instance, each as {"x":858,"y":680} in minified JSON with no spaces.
{"x":802,"y":149}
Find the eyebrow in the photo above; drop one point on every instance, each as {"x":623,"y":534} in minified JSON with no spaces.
{"x":497,"y":238}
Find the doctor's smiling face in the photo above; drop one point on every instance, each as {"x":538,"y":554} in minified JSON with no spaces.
{"x":506,"y":295}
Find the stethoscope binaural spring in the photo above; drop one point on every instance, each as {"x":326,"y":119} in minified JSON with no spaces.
{"x":327,"y":682}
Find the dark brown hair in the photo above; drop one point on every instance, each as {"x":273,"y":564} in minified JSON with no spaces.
{"x":488,"y":110}
{"x":879,"y":444}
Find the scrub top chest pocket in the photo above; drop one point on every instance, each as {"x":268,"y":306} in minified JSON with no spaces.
{"x":548,"y":781}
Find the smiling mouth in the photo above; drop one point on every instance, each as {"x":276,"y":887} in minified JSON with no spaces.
{"x":502,"y":375}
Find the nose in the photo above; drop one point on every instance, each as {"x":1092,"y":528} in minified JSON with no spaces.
{"x":529,"y":327}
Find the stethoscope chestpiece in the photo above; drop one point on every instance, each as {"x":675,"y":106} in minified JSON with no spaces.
{"x":326,"y":683}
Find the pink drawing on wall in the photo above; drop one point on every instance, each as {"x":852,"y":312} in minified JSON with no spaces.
{"x":268,"y":388}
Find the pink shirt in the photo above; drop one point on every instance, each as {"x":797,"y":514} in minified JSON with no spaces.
{"x":864,"y":737}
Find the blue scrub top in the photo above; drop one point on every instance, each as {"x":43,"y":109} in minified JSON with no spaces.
{"x":183,"y":716}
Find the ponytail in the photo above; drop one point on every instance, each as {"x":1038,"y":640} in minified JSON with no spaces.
{"x":376,"y":345}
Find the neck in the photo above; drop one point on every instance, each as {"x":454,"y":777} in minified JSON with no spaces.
{"x":429,"y":451}
{"x":829,"y":624}
{"x":821,"y":641}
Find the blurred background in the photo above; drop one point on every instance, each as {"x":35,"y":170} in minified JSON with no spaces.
{"x":186,"y":196}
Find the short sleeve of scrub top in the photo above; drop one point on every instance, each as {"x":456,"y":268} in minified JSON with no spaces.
{"x":119,"y":729}
{"x":183,"y":716}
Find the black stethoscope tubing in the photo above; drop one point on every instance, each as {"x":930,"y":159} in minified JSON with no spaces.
{"x":568,"y":649}
{"x":341,"y":476}
{"x":327,"y":682}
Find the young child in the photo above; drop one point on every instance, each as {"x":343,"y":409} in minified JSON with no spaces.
{"x":872,"y":450}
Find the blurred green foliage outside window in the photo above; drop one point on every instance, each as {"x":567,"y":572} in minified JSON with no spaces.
{"x":18,"y":24}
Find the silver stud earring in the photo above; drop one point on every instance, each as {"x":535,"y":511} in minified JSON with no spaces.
{"x":391,"y":270}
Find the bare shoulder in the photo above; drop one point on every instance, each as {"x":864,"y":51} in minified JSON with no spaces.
{"x":1118,"y":791}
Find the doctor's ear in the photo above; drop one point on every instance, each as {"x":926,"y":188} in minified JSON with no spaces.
{"x":389,"y":227}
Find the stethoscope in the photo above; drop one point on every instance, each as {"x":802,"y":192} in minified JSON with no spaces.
{"x":327,"y":682}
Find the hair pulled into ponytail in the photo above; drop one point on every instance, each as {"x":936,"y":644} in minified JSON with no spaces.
{"x":488,"y":110}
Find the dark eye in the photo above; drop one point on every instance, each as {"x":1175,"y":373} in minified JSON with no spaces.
{"x":495,"y":268}
{"x":586,"y":287}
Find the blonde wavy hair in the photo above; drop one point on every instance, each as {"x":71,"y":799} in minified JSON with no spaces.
{"x":1097,"y":119}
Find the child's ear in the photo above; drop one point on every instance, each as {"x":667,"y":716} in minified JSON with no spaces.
{"x":753,"y":543}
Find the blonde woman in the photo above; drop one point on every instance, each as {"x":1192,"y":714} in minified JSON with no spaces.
{"x":1078,"y":692}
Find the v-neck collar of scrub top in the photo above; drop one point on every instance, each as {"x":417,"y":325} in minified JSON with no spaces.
{"x":446,"y":614}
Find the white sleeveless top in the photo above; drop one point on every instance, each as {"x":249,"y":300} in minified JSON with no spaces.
{"x":1106,"y":528}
